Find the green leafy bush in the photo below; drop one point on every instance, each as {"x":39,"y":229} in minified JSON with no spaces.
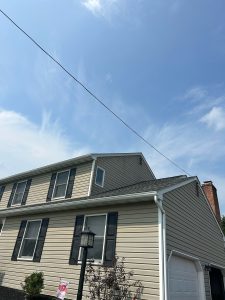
{"x":33,"y":284}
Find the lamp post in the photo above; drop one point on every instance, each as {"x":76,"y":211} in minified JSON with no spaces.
{"x":87,"y":241}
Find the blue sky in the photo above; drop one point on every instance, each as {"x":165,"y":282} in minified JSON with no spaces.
{"x":159,"y":64}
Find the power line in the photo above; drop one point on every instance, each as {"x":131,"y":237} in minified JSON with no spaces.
{"x":93,"y":95}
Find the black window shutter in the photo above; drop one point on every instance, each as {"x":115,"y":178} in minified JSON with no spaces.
{"x":26,"y":191}
{"x":41,"y":240}
{"x":110,"y":243}
{"x":19,"y":240}
{"x":51,"y":187}
{"x":12,"y":194}
{"x":76,"y":240}
{"x":2,"y":189}
{"x":70,"y":183}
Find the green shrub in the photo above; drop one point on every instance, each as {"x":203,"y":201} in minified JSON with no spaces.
{"x":33,"y":284}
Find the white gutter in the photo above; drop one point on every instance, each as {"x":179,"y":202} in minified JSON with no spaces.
{"x":77,"y":204}
{"x":162,"y":248}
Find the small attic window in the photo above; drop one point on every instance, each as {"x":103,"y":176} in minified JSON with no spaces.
{"x":100,"y":177}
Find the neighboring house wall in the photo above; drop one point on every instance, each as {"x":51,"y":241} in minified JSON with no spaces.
{"x":191,"y":228}
{"x":137,"y":241}
{"x":40,"y":185}
{"x":121,"y":171}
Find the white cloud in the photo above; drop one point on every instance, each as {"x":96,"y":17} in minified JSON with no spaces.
{"x":191,"y":148}
{"x":101,"y":7}
{"x":215,"y":118}
{"x":94,"y":6}
{"x":196,"y":93}
{"x":201,"y":99}
{"x":25,"y":145}
{"x":184,"y":144}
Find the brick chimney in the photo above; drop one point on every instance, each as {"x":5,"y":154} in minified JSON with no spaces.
{"x":211,"y":194}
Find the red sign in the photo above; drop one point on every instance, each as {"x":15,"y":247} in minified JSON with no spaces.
{"x":62,"y":289}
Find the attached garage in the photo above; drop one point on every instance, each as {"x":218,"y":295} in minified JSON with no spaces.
{"x":185,"y":278}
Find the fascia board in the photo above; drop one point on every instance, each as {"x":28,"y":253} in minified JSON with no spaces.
{"x":97,"y":155}
{"x":77,"y":204}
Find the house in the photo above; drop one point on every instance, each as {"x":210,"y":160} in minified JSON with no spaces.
{"x":166,"y":229}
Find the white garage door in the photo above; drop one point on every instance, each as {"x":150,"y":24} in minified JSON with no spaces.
{"x":183,"y":279}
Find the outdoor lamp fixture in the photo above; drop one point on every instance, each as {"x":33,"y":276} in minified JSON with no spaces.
{"x":87,"y":241}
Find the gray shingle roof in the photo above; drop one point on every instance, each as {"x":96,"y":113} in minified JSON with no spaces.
{"x":144,"y":186}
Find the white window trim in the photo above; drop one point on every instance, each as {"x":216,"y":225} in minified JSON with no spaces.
{"x":63,"y":197}
{"x":24,"y":258}
{"x":18,"y":204}
{"x":103,"y":180}
{"x":95,"y":262}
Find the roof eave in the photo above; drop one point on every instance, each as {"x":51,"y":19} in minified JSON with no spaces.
{"x":77,"y":204}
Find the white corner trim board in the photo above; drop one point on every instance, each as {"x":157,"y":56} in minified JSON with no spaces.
{"x":92,"y":176}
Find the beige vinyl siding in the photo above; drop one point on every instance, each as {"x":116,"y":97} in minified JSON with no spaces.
{"x":191,"y":228}
{"x":5,"y":196}
{"x":82,"y":180}
{"x":137,"y":241}
{"x":38,"y":189}
{"x":121,"y":171}
{"x":40,"y":185}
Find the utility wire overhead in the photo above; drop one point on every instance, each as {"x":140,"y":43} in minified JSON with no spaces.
{"x":92,"y":94}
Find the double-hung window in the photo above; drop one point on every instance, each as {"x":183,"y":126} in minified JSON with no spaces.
{"x":97,"y":224}
{"x":61,"y":184}
{"x":19,"y":192}
{"x":105,"y":228}
{"x":30,"y":238}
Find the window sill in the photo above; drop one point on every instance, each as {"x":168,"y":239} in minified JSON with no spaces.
{"x":16,"y":205}
{"x":59,"y":198}
{"x":25,"y":259}
{"x":99,"y":185}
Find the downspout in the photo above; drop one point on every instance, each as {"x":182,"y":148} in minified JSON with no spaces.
{"x":162,"y":248}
